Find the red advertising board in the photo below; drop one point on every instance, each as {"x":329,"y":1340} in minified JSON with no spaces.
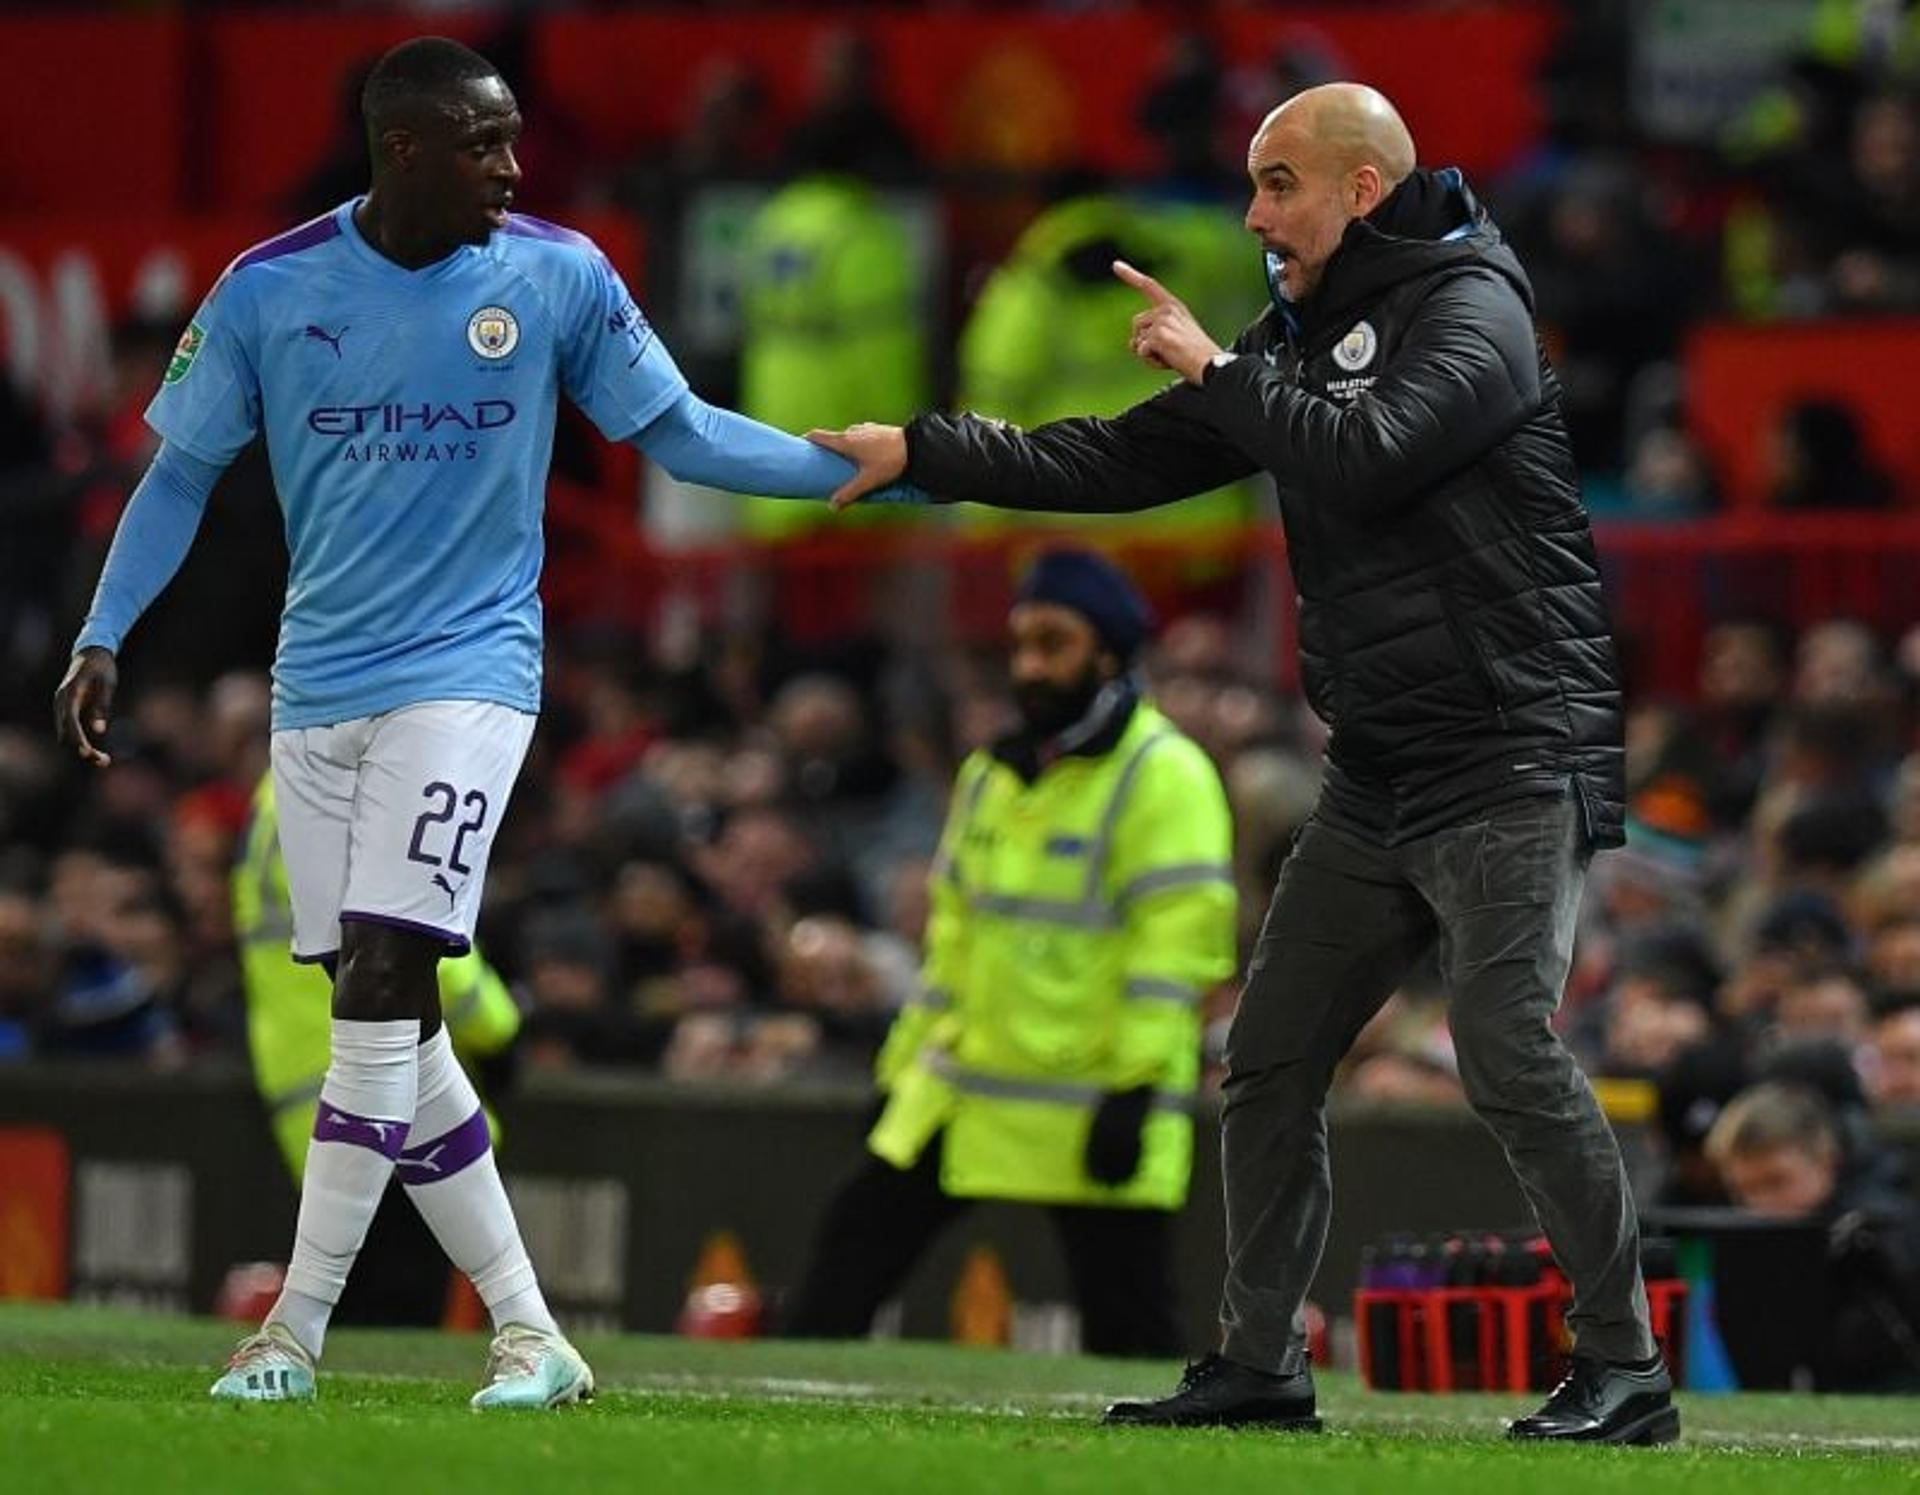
{"x":1742,"y":379}
{"x":94,"y":112}
{"x":233,"y":109}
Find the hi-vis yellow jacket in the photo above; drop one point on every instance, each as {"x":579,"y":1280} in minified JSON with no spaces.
{"x":1047,"y":340}
{"x":833,"y":322}
{"x":289,"y":1006}
{"x":1077,"y":923}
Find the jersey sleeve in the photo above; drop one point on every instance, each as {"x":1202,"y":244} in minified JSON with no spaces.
{"x":209,"y":399}
{"x":612,"y":363}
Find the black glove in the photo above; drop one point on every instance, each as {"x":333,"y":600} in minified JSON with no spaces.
{"x":1113,"y":1141}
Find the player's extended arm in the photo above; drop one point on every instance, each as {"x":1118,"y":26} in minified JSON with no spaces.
{"x":154,"y":535}
{"x":153,"y":538}
{"x":701,"y":443}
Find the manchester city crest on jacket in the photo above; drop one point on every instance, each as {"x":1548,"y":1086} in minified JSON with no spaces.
{"x":1355,"y":351}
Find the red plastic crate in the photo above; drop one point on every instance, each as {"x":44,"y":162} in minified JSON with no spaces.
{"x":1509,"y":1338}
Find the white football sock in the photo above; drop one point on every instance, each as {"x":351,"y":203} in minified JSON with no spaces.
{"x":450,"y":1175}
{"x":366,"y":1107}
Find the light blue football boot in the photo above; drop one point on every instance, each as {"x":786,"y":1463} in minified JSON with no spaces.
{"x":270,"y":1366}
{"x":532,"y":1368}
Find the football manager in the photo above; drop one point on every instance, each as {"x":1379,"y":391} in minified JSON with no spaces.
{"x":1454,"y":635}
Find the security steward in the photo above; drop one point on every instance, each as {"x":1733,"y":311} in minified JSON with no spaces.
{"x":1082,"y":907}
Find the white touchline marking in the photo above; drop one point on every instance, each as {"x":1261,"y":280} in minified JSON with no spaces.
{"x":1071,"y":1405}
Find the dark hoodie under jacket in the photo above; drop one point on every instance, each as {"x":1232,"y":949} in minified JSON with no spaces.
{"x":1453,"y":632}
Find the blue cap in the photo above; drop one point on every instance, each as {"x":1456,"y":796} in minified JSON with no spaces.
{"x":1095,"y":588}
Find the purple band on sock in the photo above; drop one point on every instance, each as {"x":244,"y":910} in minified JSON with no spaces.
{"x":446,"y":1155}
{"x":331,"y":1124}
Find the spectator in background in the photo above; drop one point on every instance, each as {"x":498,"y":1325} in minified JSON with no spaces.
{"x":1693,"y":1090}
{"x":726,"y":139}
{"x":1887,"y":889}
{"x":727,"y":136}
{"x":1669,"y":475}
{"x":1840,"y":663}
{"x":834,"y":300}
{"x":852,"y":800}
{"x":573,"y":1017}
{"x":848,"y":126}
{"x":1823,"y":1005}
{"x":35,"y":814}
{"x":1613,"y":289}
{"x":1662,"y":1003}
{"x":1819,"y":459}
{"x":1906,"y":801}
{"x":1878,"y":266}
{"x":831,"y":973}
{"x":1743,"y":675}
{"x":1893,"y":961}
{"x":27,"y":965}
{"x":110,"y":996}
{"x":1828,"y":838}
{"x":1305,"y":58}
{"x":1892,"y":1060}
{"x":1182,"y":112}
{"x":1797,"y":932}
{"x":1782,"y":1152}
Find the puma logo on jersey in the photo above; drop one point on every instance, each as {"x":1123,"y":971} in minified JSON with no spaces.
{"x":316,"y":334}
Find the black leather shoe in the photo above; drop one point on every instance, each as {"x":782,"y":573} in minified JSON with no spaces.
{"x":1216,"y":1392}
{"x":1603,"y":1403}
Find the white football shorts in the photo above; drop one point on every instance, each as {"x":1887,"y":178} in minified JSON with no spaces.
{"x":388,"y":819}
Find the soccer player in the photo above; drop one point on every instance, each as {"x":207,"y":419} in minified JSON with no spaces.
{"x":404,"y":355}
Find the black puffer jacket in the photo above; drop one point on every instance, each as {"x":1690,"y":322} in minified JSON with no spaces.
{"x":1452,"y":627}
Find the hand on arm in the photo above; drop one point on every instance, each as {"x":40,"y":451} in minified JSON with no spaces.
{"x":700,"y":443}
{"x":878,"y":454}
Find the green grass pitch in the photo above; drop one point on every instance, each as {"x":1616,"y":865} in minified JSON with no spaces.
{"x":103,"y":1401}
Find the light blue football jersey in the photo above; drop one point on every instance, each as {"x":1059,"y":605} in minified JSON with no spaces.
{"x":409,"y":422}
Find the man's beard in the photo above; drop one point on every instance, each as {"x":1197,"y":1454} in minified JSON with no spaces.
{"x":1048,"y":710}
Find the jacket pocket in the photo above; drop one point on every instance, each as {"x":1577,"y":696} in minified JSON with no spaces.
{"x":1474,"y":656}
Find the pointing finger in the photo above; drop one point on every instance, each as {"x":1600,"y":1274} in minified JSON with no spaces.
{"x":1145,"y":284}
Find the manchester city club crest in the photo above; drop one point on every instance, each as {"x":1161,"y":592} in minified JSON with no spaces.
{"x":494,"y":332}
{"x":1355,"y":351}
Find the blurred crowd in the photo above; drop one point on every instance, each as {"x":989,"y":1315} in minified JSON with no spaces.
{"x":715,"y":862}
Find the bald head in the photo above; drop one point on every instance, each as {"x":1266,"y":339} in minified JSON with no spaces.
{"x":1325,"y":157}
{"x":1353,"y":124}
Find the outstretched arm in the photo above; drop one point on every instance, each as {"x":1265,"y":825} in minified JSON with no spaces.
{"x":153,"y":538}
{"x":1162,"y":449}
{"x":701,"y":443}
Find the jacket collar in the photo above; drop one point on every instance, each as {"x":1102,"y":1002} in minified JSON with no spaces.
{"x":1096,"y":734}
{"x":1430,"y":221}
